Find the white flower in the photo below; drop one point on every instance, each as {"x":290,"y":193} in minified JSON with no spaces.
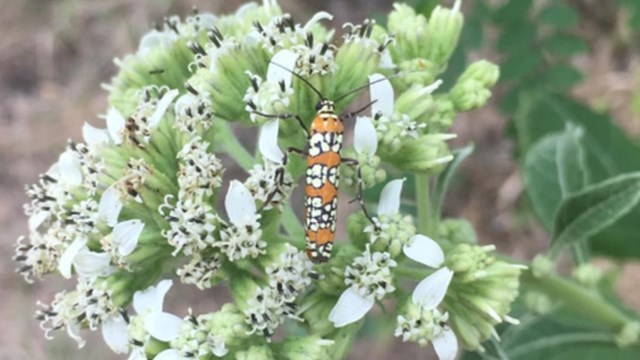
{"x":191,"y":222}
{"x":243,"y":237}
{"x":430,"y":292}
{"x":110,"y":206}
{"x":88,"y":264}
{"x":269,"y":183}
{"x":200,"y":171}
{"x":392,"y":226}
{"x":369,"y":279}
{"x":271,"y":97}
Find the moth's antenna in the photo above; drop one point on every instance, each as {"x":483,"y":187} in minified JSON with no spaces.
{"x":365,"y":86}
{"x":301,"y":78}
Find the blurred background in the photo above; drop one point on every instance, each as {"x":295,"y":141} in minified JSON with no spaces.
{"x":54,"y":54}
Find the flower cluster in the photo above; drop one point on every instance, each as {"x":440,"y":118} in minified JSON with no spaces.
{"x":139,"y":200}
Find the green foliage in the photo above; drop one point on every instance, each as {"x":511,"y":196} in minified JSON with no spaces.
{"x":596,"y":207}
{"x":444,"y":178}
{"x":559,"y":335}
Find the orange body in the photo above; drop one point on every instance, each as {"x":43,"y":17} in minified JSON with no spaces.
{"x":322,"y":179}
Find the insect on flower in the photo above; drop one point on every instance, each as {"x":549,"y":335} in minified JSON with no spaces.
{"x":324,"y":144}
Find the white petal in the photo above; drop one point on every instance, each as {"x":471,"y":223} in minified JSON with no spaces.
{"x":382,"y":93}
{"x":70,"y":172}
{"x":239,"y":203}
{"x":73,"y":329}
{"x":350,"y":308}
{"x":365,"y":138}
{"x":126,"y":234}
{"x":430,"y":292}
{"x":169,"y":354}
{"x":151,"y":299}
{"x":245,"y":8}
{"x":161,"y":108}
{"x":162,"y":326}
{"x":319,"y":16}
{"x":115,"y":125}
{"x":431,"y":88}
{"x":115,"y":334}
{"x":268,"y":142}
{"x":424,"y":250}
{"x":94,"y":136}
{"x":390,"y":198}
{"x":386,"y":62}
{"x":90,"y":264}
{"x":110,"y":206}
{"x":69,"y":254}
{"x":184,"y":101}
{"x":220,"y":351}
{"x":207,"y":20}
{"x":154,"y":39}
{"x":446,"y":345}
{"x":281,"y":67}
{"x":36,"y":219}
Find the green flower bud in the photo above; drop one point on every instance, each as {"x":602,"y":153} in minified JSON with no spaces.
{"x":228,"y":323}
{"x":587,"y":274}
{"x":410,"y":32}
{"x":261,"y":352}
{"x":426,"y":154}
{"x":356,"y":223}
{"x":442,"y":115}
{"x":395,"y":232}
{"x":243,"y":287}
{"x":488,"y":285}
{"x":414,"y":323}
{"x":629,"y":335}
{"x":538,"y":302}
{"x":416,"y":71}
{"x":417,"y":103}
{"x":318,"y":306}
{"x":305,"y":348}
{"x":443,"y":31}
{"x":332,"y":273}
{"x":123,"y":284}
{"x":452,"y":232}
{"x":542,"y":266}
{"x":370,"y":170}
{"x":471,"y":91}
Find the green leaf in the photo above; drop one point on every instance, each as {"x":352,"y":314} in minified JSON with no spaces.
{"x":563,"y":76}
{"x":608,"y":151}
{"x":512,"y":12}
{"x":517,"y":38}
{"x":444,"y":179}
{"x":594,"y":208}
{"x":519,"y":64}
{"x":560,"y":15}
{"x":560,"y":335}
{"x":554,"y":168}
{"x":564,"y":45}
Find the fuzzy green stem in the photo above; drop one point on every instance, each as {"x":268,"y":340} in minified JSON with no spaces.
{"x":425,"y":216}
{"x":579,"y":298}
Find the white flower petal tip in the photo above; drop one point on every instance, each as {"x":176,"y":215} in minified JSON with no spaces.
{"x":350,"y":308}
{"x":162,"y":326}
{"x":161,"y":108}
{"x":446,"y":345}
{"x":239,"y":203}
{"x":430,"y":292}
{"x":127,"y":234}
{"x":381,"y":93}
{"x":70,"y":253}
{"x":319,"y":16}
{"x":115,"y":334}
{"x":511,"y":320}
{"x":90,"y":264}
{"x":429,"y":89}
{"x":456,"y":7}
{"x":94,"y":136}
{"x":110,"y":206}
{"x":219,"y":351}
{"x":115,"y":125}
{"x":268,"y":142}
{"x":424,"y":250}
{"x":70,"y":171}
{"x":36,"y":219}
{"x":365,"y":136}
{"x":281,"y":67}
{"x":169,"y":354}
{"x":390,"y":198}
{"x":151,"y":299}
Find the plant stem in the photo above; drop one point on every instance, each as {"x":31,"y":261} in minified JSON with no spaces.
{"x":578,"y":298}
{"x":292,"y":225}
{"x":234,"y":148}
{"x":425,"y":225}
{"x":343,"y":340}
